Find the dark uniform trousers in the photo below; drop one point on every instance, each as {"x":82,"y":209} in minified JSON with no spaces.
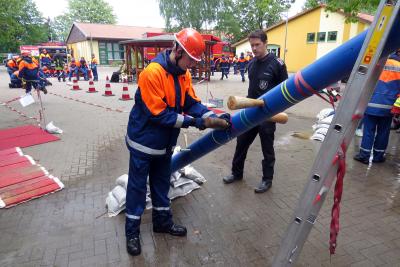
{"x":266,"y":130}
{"x":158,"y":168}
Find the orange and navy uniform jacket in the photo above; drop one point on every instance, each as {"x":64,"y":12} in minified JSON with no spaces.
{"x":12,"y":65}
{"x":224,"y":63}
{"x":45,"y":58}
{"x":28,"y":69}
{"x":82,"y":64}
{"x":386,"y":90}
{"x":164,"y":102}
{"x":242,"y":63}
{"x":73,"y":65}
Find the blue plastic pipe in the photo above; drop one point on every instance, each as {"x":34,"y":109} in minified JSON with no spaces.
{"x":328,"y":69}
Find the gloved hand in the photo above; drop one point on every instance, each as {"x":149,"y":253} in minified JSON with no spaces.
{"x":226,"y":117}
{"x":216,"y":123}
{"x":199,"y":123}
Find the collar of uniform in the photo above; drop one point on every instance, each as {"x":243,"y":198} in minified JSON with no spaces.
{"x":264,"y":58}
{"x":172,"y":68}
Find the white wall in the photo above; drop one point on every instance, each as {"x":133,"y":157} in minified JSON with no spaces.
{"x":330,"y":22}
{"x":245,"y":47}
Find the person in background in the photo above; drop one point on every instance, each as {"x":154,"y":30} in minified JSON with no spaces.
{"x":378,"y":117}
{"x":59,"y":65}
{"x":242,"y":62}
{"x":165,"y":102}
{"x":265,"y":72}
{"x":224,"y":64}
{"x":235,"y":65}
{"x":29,"y":73}
{"x":93,"y":67}
{"x":12,"y":65}
{"x":73,"y":69}
{"x":45,"y":59}
{"x":212,"y":65}
{"x":83,"y":68}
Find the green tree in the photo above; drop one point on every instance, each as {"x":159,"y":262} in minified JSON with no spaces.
{"x":240,"y":17}
{"x":350,"y":7}
{"x":231,"y":18}
{"x":189,"y":13}
{"x":20,"y":23}
{"x":90,"y":11}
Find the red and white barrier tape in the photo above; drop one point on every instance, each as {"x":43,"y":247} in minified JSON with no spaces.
{"x":20,"y":113}
{"x":89,"y":103}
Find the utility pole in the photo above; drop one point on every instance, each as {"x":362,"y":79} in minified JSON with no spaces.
{"x":288,"y":5}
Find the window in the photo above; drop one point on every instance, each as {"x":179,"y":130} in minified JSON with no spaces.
{"x":332,"y":36}
{"x":321,"y":36}
{"x":311,"y":37}
{"x":110,"y":52}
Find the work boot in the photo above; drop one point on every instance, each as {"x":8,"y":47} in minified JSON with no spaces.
{"x":174,"y":229}
{"x":264,"y":186}
{"x":381,"y":160}
{"x":361,"y":159}
{"x":133,"y":245}
{"x":231,"y":178}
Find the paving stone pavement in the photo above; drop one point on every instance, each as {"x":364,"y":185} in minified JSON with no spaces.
{"x":228,"y":225}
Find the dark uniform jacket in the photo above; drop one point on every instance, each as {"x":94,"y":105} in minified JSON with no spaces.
{"x":265,"y":74}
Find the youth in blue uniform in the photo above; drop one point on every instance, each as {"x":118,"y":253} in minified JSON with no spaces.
{"x":164,"y":102}
{"x":377,"y":117}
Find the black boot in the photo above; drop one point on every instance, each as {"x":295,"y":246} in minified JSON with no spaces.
{"x":264,"y":186}
{"x":231,"y":178}
{"x":133,"y":245}
{"x":174,"y":229}
{"x":361,"y":159}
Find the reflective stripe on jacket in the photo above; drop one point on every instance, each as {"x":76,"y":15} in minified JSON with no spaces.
{"x":386,"y":90}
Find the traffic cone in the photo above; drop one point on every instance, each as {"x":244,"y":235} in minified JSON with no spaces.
{"x":125,"y":92}
{"x":108,"y":91}
{"x":75,"y":86}
{"x":91,"y":87}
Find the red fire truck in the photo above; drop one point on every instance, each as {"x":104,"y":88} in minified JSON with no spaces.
{"x":219,"y":50}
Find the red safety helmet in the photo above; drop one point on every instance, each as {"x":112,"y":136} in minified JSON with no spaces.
{"x":192,"y":42}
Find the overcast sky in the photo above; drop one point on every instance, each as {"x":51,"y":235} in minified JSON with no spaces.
{"x":129,"y":12}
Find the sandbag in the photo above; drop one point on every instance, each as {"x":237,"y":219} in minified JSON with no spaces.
{"x":120,"y":195}
{"x":112,"y":205}
{"x":122,"y":181}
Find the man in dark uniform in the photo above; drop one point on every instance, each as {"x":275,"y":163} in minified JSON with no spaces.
{"x":265,"y":72}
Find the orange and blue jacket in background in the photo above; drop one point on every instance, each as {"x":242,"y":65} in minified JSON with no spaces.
{"x":12,"y":65}
{"x":242,"y":63}
{"x":164,"y":102}
{"x":28,"y":69}
{"x":386,"y":90}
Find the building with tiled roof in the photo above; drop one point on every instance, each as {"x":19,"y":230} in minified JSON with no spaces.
{"x":103,"y":40}
{"x":310,"y":35}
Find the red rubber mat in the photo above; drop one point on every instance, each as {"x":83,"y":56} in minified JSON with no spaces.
{"x":21,"y":179}
{"x":24,"y":136}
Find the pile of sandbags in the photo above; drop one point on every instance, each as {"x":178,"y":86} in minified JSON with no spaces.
{"x":182,"y":183}
{"x":324,"y":120}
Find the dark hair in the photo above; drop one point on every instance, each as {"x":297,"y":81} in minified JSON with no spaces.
{"x":260,"y":34}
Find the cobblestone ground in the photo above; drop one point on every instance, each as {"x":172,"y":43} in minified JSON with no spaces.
{"x":228,"y":225}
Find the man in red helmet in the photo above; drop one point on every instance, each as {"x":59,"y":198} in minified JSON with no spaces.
{"x":164,"y":102}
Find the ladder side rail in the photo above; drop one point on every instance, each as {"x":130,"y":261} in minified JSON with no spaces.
{"x":358,"y":91}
